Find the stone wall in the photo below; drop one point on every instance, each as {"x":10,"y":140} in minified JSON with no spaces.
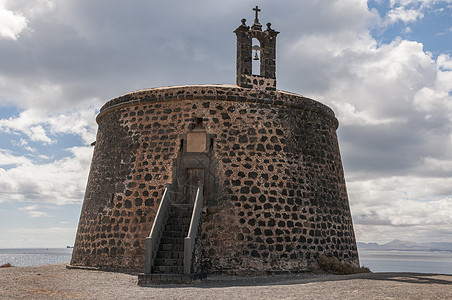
{"x":281,"y":198}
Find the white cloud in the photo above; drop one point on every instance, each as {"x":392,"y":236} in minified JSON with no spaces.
{"x":80,"y":122}
{"x":35,"y":211}
{"x":26,"y":93}
{"x":351,"y":116}
{"x":407,"y":30}
{"x":424,"y":3}
{"x":444,"y":62}
{"x":372,"y":84}
{"x":433,"y":101}
{"x":404,"y":207}
{"x":404,"y":15}
{"x":411,"y":11}
{"x":38,"y":7}
{"x":20,"y":143}
{"x":23,"y":123}
{"x":37,"y":214}
{"x":60,"y":182}
{"x":38,"y":134}
{"x":38,"y":125}
{"x":7,"y":158}
{"x":41,"y":156}
{"x":11,"y":23}
{"x":36,"y":207}
{"x":439,"y":165}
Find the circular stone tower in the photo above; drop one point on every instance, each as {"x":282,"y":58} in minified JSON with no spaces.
{"x":274,"y":191}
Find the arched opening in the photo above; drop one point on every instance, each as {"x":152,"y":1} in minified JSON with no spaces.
{"x":256,"y":55}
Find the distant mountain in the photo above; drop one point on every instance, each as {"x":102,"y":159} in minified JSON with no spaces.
{"x":406,"y":246}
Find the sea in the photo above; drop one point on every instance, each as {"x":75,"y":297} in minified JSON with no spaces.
{"x":378,"y":261}
{"x":35,"y":257}
{"x":438,"y":262}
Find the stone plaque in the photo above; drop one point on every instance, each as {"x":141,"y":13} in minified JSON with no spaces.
{"x":196,"y":142}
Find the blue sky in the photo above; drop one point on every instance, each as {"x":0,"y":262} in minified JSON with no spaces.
{"x":428,"y":22}
{"x":384,"y":67}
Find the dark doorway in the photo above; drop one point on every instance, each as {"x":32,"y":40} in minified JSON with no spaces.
{"x":193,"y":176}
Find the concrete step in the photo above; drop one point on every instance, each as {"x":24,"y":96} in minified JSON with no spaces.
{"x":180,"y":215}
{"x":154,"y":279}
{"x":176,"y":216}
{"x":182,"y":207}
{"x":179,"y":228}
{"x":181,"y":210}
{"x":174,"y":234}
{"x":171,"y":247}
{"x":176,"y":222}
{"x":170,"y":254}
{"x":168,"y":269}
{"x":168,"y":262}
{"x":168,"y":240}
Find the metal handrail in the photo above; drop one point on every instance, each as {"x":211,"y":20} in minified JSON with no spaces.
{"x":156,"y":231}
{"x":189,"y":241}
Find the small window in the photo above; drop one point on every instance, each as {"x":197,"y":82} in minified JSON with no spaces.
{"x":198,"y":122}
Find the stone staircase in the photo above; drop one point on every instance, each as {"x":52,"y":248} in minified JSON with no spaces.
{"x":168,"y":266}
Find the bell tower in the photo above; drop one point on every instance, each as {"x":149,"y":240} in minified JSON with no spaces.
{"x":266,"y":79}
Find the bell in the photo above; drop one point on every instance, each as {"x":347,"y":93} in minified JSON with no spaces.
{"x":256,"y":57}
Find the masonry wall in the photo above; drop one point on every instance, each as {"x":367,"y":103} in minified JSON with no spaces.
{"x":281,"y":199}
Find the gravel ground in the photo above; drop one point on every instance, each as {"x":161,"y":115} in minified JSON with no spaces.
{"x":57,"y":282}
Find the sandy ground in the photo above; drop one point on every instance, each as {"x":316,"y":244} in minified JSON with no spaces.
{"x":57,"y":282}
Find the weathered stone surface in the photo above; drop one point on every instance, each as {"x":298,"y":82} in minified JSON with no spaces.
{"x":280,"y":198}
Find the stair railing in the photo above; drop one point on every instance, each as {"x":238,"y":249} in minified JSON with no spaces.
{"x":189,"y":241}
{"x":160,"y":220}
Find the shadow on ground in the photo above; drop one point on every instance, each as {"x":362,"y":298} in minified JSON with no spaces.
{"x":303,"y":278}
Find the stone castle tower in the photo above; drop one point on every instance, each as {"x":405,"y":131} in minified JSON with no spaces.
{"x":216,"y":178}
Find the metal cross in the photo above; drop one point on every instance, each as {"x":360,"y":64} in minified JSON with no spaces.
{"x":257,"y":10}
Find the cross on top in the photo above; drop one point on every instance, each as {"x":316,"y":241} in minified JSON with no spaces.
{"x":257,"y":10}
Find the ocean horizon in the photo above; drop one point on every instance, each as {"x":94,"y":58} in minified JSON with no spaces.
{"x":24,"y":257}
{"x":435,"y":262}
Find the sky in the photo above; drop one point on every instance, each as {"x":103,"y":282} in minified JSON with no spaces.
{"x":383,"y":66}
